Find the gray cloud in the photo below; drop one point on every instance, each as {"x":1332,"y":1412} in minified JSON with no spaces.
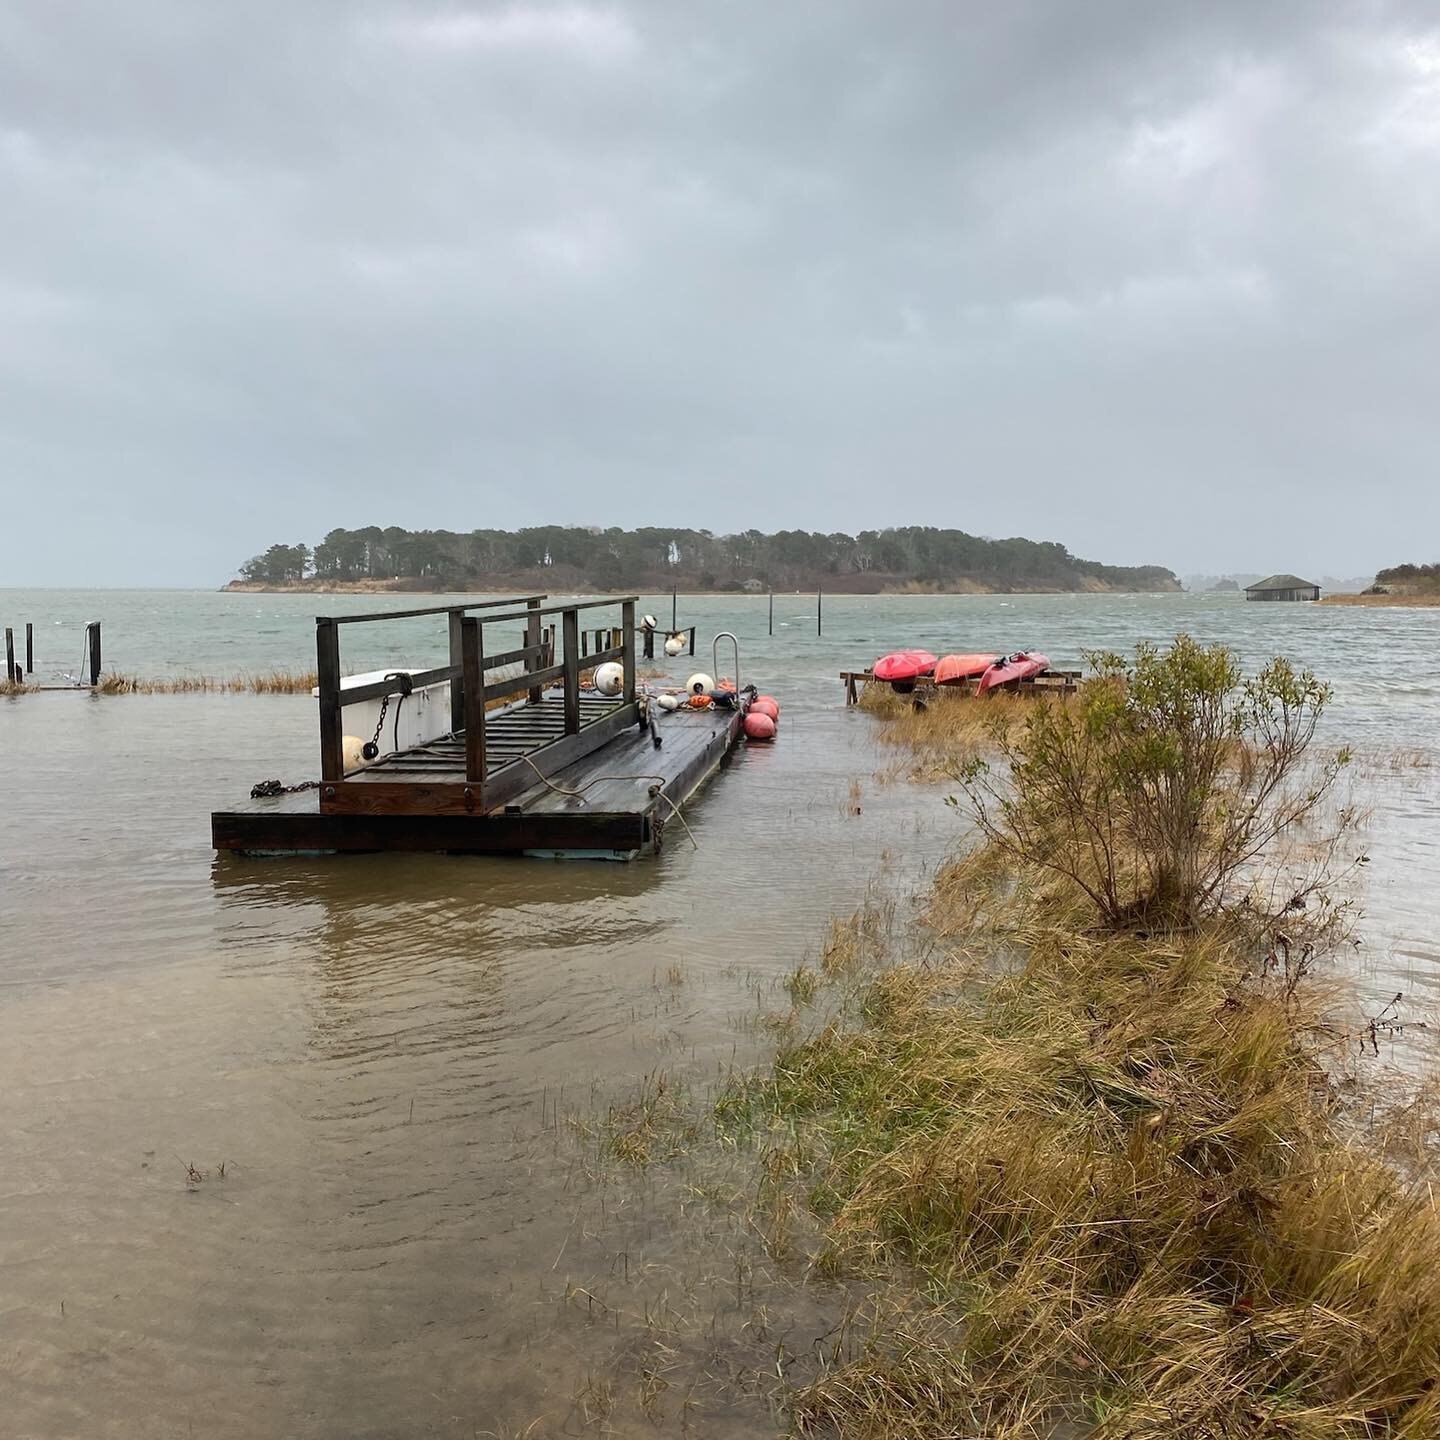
{"x":1159,"y":282}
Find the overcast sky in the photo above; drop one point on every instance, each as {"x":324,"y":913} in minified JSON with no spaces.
{"x":1159,"y":281}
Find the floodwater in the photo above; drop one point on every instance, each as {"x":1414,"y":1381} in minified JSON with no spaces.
{"x":394,"y":1058}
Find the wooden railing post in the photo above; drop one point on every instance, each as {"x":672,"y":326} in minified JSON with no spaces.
{"x":92,"y":631}
{"x":571,"y":627}
{"x":327,"y":672}
{"x":473,"y":665}
{"x":457,"y":663}
{"x":533,"y":639}
{"x":627,"y":640}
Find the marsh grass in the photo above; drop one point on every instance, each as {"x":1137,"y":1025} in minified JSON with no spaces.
{"x":1115,"y":1170}
{"x":262,"y":682}
{"x":13,"y":687}
{"x":1105,"y":1184}
{"x":659,"y":1123}
{"x":948,"y":728}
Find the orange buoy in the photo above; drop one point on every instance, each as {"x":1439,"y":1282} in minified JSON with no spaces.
{"x":759,"y":725}
{"x":764,"y":705}
{"x":701,"y":702}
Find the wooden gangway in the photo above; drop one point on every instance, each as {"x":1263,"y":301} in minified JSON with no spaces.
{"x":531,"y":760}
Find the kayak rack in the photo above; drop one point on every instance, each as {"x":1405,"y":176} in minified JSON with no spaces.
{"x":1051,"y":682}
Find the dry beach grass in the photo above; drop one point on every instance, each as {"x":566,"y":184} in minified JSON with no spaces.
{"x":1111,"y":1176}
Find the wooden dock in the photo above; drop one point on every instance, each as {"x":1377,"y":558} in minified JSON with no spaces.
{"x":556,"y":770}
{"x":1051,"y":682}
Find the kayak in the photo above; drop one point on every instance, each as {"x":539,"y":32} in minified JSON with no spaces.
{"x":955,"y":668}
{"x":1011,"y":668}
{"x":904,"y":665}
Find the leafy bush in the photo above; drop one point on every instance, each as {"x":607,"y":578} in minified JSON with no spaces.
{"x":1156,"y":789}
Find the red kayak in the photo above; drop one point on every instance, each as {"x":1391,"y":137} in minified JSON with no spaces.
{"x":1015,"y":667}
{"x":954,"y":669}
{"x":904,"y":666}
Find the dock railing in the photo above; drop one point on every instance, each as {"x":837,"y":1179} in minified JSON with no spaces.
{"x":470,"y":660}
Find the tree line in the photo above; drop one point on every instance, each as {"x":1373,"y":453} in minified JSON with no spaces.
{"x":575,"y":557}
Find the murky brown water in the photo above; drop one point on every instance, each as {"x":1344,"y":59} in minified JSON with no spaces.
{"x":376,"y":1050}
{"x":408,"y":1238}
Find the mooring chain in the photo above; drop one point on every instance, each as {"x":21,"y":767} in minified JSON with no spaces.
{"x":371,"y":748}
{"x":266,"y":788}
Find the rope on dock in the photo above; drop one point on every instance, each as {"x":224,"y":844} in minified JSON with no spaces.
{"x":657,"y":791}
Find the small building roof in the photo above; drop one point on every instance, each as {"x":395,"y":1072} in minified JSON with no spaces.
{"x":1282,"y":582}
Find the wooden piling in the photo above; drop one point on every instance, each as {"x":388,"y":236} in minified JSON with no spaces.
{"x":772,"y":612}
{"x":10,"y":655}
{"x":473,"y":686}
{"x":626,"y":637}
{"x":819,"y":612}
{"x":570,"y":623}
{"x":29,"y":647}
{"x":534,"y":643}
{"x":327,"y":675}
{"x":457,"y":663}
{"x":92,"y":635}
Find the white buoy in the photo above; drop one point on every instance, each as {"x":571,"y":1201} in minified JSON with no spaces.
{"x":609,"y":678}
{"x":674,"y":645}
{"x":700,"y":683}
{"x":669,"y":702}
{"x":351,"y":752}
{"x":648,"y":622}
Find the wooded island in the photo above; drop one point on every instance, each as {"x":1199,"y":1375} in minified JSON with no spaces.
{"x":573,"y":558}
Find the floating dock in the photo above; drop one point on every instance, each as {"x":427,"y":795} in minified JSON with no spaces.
{"x":491,"y":762}
{"x":1050,"y":682}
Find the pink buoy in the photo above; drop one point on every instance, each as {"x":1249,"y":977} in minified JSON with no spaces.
{"x":759,"y":725}
{"x":769,"y":700}
{"x":764,"y":705}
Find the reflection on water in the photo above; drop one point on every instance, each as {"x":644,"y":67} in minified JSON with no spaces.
{"x":379,"y":1049}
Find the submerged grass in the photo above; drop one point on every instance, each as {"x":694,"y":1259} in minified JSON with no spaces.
{"x":262,"y":682}
{"x":945,"y":729}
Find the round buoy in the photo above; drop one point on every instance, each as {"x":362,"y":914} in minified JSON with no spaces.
{"x":648,"y":622}
{"x":770,"y":700}
{"x":609,"y":678}
{"x":352,"y":749}
{"x":669,"y":702}
{"x":765,"y":706}
{"x":699,"y":683}
{"x":701,"y":702}
{"x":759,"y":725}
{"x":674,"y":645}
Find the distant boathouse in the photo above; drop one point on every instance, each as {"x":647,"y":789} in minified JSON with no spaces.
{"x":1282,"y":587}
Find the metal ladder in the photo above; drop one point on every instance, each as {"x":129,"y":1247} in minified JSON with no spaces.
{"x":715,"y":657}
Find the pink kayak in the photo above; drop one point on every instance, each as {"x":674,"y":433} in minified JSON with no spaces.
{"x":1014,"y":667}
{"x":955,"y":669}
{"x":904,"y":667}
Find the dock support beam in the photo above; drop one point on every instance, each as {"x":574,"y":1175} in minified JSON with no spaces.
{"x":457,"y":664}
{"x":92,"y":645}
{"x":570,"y":622}
{"x":627,"y":633}
{"x":533,"y":641}
{"x":473,"y":683}
{"x":327,"y":675}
